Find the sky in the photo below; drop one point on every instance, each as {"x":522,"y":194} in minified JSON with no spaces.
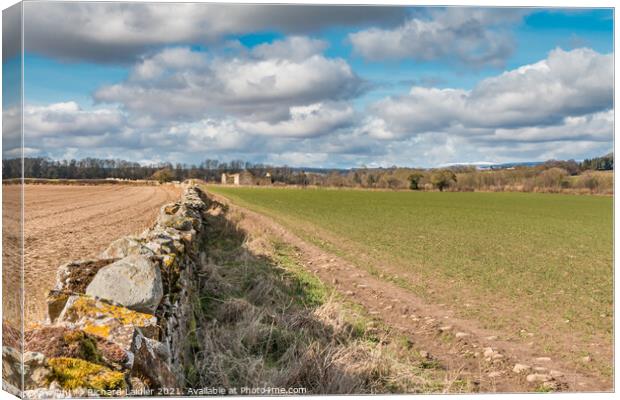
{"x":315,"y":86}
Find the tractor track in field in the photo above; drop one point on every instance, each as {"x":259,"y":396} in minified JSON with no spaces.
{"x":459,"y":345}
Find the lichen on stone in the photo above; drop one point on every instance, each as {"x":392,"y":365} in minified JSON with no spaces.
{"x":73,"y":373}
{"x":89,"y":307}
{"x":170,"y":209}
{"x":98,"y":330}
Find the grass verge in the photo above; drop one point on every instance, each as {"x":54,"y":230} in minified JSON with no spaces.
{"x":267,"y":322}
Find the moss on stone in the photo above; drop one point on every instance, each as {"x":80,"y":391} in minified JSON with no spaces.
{"x":73,"y":373}
{"x":86,"y":344}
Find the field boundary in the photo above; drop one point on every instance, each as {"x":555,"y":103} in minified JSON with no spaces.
{"x":84,"y":182}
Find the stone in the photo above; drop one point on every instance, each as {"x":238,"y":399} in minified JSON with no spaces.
{"x":543,"y":359}
{"x":163,"y":240}
{"x":189,"y":211}
{"x":56,"y":302}
{"x":182,"y":220}
{"x":538,"y":378}
{"x":36,"y":371}
{"x":495,"y":374}
{"x":445,"y":328}
{"x":60,"y":341}
{"x":550,"y":385}
{"x":75,"y":276}
{"x":126,"y":246}
{"x":424,"y":354}
{"x":488,"y":352}
{"x":189,"y":236}
{"x":151,"y":360}
{"x":461,"y":335}
{"x":170,"y":209}
{"x":113,"y":323}
{"x":11,"y":368}
{"x":134,"y":282}
{"x":556,"y":374}
{"x":586,"y":359}
{"x":520,"y":368}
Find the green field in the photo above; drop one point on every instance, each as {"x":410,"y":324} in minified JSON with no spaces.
{"x":515,"y":261}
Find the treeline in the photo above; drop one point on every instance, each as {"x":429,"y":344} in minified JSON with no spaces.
{"x":605,"y":163}
{"x":94,"y":168}
{"x":593,"y":176}
{"x":588,"y":176}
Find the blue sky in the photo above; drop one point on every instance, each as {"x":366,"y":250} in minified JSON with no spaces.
{"x":405,"y":86}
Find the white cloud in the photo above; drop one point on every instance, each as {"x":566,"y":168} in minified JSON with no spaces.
{"x":306,"y":121}
{"x":69,"y":119}
{"x":567,"y":84}
{"x":209,"y":135}
{"x":262,"y":87}
{"x":294,"y":48}
{"x":474,"y":36}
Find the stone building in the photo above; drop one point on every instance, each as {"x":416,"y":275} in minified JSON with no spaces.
{"x":246,"y":178}
{"x":230,"y":179}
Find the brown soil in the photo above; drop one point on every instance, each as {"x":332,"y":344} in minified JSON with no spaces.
{"x":421,"y":321}
{"x":70,"y":222}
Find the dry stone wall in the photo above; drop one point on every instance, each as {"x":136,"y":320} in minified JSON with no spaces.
{"x":119,"y":325}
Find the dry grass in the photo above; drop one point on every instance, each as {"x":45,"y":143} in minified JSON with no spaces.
{"x":266,"y":322}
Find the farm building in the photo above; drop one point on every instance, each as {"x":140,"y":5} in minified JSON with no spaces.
{"x":245,"y":178}
{"x":230,"y":179}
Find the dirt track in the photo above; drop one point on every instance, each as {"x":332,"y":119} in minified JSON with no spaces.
{"x":69,"y":222}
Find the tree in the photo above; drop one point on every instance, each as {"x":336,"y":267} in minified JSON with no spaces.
{"x":443,"y":178}
{"x":163,"y":175}
{"x":414,"y":180}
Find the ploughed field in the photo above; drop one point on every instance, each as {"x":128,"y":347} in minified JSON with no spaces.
{"x":70,"y":222}
{"x":536,"y":268}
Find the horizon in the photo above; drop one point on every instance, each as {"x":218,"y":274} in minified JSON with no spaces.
{"x":244,"y":164}
{"x":333,"y":87}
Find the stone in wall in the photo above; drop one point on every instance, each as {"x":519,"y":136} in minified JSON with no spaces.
{"x":151,"y":362}
{"x":112,"y":322}
{"x":134,"y":282}
{"x":60,"y":341}
{"x":74,"y":277}
{"x":126,"y":246}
